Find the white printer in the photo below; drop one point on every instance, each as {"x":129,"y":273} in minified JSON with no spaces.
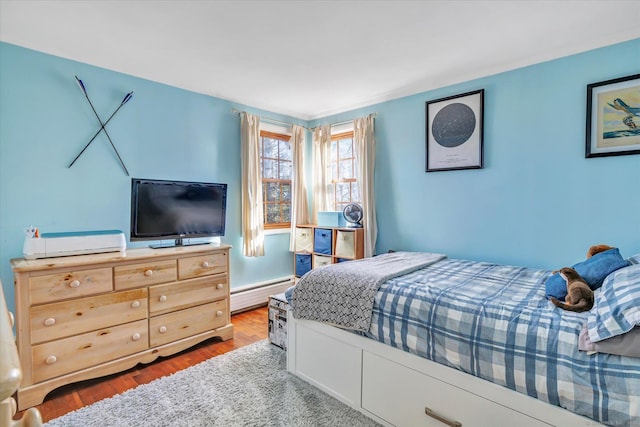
{"x":50,"y":245}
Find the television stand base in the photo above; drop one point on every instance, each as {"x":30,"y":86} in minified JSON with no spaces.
{"x":177,"y":243}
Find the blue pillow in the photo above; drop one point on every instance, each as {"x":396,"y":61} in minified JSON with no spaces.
{"x":593,"y":270}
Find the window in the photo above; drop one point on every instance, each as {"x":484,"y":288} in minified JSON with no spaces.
{"x":344,"y":186}
{"x":276,"y":167}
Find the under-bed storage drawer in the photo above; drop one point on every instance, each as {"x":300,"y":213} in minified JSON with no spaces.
{"x":391,"y":392}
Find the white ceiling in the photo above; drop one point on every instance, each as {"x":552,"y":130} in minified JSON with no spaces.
{"x":310,"y":59}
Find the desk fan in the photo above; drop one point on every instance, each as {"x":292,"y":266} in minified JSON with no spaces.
{"x":353,"y":215}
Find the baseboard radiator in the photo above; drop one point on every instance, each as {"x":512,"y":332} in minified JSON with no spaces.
{"x":256,"y":294}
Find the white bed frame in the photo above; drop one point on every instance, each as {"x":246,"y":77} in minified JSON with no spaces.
{"x":396,"y":388}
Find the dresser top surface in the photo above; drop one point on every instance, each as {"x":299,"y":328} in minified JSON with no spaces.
{"x":21,"y":264}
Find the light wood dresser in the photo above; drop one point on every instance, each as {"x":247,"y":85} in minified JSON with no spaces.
{"x":87,"y":316}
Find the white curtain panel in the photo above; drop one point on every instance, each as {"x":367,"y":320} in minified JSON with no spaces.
{"x":321,"y":177}
{"x":364,"y":145}
{"x":299,"y":205}
{"x":252,"y":211}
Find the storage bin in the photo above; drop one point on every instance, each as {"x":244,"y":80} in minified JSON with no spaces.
{"x":278,"y":307}
{"x":303,"y":264}
{"x":322,"y":242}
{"x":304,"y":240}
{"x":321,"y":261}
{"x":331,"y":219}
{"x":345,"y":244}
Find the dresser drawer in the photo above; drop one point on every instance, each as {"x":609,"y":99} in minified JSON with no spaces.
{"x":392,"y":392}
{"x":82,"y":351}
{"x":203,"y":265}
{"x":62,"y":319}
{"x":69,"y":284}
{"x":179,"y":295}
{"x":144,"y":274}
{"x":185,"y":323}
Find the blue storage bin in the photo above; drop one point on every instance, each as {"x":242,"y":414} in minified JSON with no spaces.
{"x":331,"y":219}
{"x":322,"y":241}
{"x":343,"y":259}
{"x":303,"y":264}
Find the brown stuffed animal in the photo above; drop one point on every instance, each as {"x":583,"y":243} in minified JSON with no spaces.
{"x":579,"y":294}
{"x":596,"y":249}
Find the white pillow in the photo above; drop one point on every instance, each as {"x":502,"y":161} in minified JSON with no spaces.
{"x":617,"y":305}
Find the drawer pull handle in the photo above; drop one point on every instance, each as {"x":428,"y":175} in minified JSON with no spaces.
{"x":50,"y":321}
{"x":51,"y":360}
{"x":148,"y":273}
{"x":162,"y":329}
{"x":135,"y":337}
{"x":442,"y":419}
{"x":135,"y":304}
{"x":205,"y":264}
{"x":75,"y":284}
{"x":219,"y":313}
{"x":220,"y":285}
{"x":163,"y":298}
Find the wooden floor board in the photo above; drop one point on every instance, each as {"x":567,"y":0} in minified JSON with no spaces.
{"x":248,"y":327}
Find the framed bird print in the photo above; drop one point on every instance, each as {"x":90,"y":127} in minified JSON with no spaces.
{"x":613,"y":117}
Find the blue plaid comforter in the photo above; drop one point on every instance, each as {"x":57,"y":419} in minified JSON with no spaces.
{"x":494,"y":322}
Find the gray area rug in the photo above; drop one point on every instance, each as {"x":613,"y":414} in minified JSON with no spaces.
{"x":246,"y":387}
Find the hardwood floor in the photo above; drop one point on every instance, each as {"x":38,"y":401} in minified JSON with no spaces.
{"x":248,"y":327}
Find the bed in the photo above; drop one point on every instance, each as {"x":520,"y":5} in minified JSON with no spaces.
{"x":457,"y":342}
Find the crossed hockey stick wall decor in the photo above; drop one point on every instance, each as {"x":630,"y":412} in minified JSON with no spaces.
{"x":102,"y":125}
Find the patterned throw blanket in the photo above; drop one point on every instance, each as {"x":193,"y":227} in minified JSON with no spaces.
{"x":343,"y":294}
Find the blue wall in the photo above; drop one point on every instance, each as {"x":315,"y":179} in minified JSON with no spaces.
{"x":163,"y":133}
{"x":537,"y":202}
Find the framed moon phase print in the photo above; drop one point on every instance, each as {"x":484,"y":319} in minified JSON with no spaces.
{"x":454,"y":132}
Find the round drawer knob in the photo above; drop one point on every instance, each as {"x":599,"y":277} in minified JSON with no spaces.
{"x":220,"y":285}
{"x":49,"y":321}
{"x":135,"y":337}
{"x":51,"y":360}
{"x":205,"y":264}
{"x":135,"y":304}
{"x":74,"y":283}
{"x":163,"y":298}
{"x":219,"y":313}
{"x":162,"y":329}
{"x":148,"y":273}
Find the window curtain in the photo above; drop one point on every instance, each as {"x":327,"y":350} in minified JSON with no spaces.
{"x":252,"y":211}
{"x":299,"y":205}
{"x":321,"y":178}
{"x":364,"y":145}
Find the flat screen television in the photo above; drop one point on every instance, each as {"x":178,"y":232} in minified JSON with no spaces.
{"x":177,"y":210}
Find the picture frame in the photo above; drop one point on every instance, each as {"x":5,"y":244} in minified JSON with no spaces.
{"x":454,"y":132}
{"x":613,"y":117}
